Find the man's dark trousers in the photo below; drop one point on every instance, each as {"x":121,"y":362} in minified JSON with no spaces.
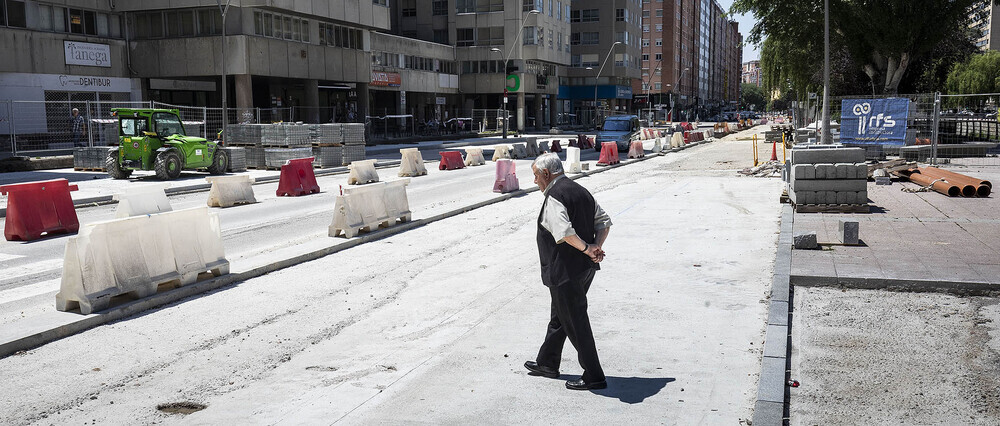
{"x":569,"y":319}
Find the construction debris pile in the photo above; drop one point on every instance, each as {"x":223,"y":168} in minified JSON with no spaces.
{"x":768,"y":169}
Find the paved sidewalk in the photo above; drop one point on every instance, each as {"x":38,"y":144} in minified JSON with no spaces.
{"x":908,"y":237}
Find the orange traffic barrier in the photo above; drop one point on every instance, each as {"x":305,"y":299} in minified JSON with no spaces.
{"x":36,"y":208}
{"x":451,"y":160}
{"x":609,"y":154}
{"x":506,"y":177}
{"x":297,"y":178}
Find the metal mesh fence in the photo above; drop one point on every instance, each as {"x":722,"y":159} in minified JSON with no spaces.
{"x":491,"y":120}
{"x":961,"y":129}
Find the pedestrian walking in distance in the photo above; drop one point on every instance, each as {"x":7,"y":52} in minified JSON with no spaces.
{"x":572,"y":228}
{"x":79,"y":127}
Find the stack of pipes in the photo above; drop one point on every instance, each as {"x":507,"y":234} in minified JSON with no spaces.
{"x":950,"y":183}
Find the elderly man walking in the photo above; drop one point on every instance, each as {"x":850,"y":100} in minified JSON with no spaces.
{"x":572,"y":228}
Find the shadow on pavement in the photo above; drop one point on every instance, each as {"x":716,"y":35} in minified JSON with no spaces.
{"x":633,"y":390}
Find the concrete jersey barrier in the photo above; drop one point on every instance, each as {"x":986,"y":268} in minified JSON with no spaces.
{"x":134,"y":255}
{"x":412,"y":163}
{"x":142,"y":200}
{"x":474,"y":157}
{"x":369,"y":207}
{"x":362,"y":172}
{"x":519,"y":150}
{"x":228,"y":191}
{"x":501,"y":151}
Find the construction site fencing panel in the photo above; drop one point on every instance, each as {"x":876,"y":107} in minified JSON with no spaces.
{"x":491,"y":121}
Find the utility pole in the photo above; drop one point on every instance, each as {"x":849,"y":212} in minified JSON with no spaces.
{"x":225,"y":115}
{"x":825,"y":138}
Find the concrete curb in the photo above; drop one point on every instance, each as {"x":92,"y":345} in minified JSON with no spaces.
{"x":27,"y":336}
{"x":769,"y":409}
{"x":959,"y":288}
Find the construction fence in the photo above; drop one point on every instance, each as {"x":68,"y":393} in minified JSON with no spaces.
{"x":958,"y":129}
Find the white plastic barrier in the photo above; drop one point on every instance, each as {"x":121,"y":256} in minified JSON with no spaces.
{"x":369,"y":207}
{"x":134,"y":255}
{"x":228,"y":191}
{"x":573,"y":160}
{"x":474,"y":157}
{"x":657,"y":144}
{"x":412,"y":163}
{"x":362,"y":172}
{"x":677,"y":140}
{"x":142,"y":200}
{"x":531,"y":144}
{"x":519,"y":150}
{"x":501,"y":151}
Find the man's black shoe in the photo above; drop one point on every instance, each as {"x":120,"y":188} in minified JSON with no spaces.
{"x":541,"y":370}
{"x":582,"y":385}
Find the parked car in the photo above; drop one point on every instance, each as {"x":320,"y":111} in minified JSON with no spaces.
{"x":621,"y":129}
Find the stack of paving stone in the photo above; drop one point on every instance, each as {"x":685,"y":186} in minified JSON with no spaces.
{"x":237,"y":158}
{"x":285,"y":135}
{"x":328,"y":135}
{"x":244,"y":134}
{"x":328,"y":156}
{"x":772,"y":135}
{"x":276,"y":157}
{"x":254,"y":157}
{"x":92,"y":158}
{"x":354,"y":142}
{"x":829,"y":176}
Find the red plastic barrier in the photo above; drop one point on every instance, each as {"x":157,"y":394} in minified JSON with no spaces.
{"x":584,"y":142}
{"x":687,"y":138}
{"x":689,"y":126}
{"x":609,"y":154}
{"x":685,"y":125}
{"x":37,"y":208}
{"x":574,"y":143}
{"x":556,"y":147}
{"x":635,"y":150}
{"x":297,"y":178}
{"x":451,"y":160}
{"x":506,"y":177}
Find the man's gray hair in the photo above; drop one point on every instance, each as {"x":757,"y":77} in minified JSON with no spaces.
{"x":75,"y":110}
{"x":550,"y":162}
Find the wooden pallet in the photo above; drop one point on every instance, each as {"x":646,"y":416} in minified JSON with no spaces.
{"x":263,"y":168}
{"x":286,"y":146}
{"x":325,"y":145}
{"x":832,"y":208}
{"x":90,"y":169}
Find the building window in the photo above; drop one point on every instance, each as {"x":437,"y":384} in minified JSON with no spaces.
{"x":645,"y":28}
{"x":645,"y":42}
{"x":489,"y":36}
{"x":441,"y":36}
{"x":621,"y":15}
{"x":645,"y":14}
{"x":381,"y":2}
{"x":439,"y":7}
{"x":12,"y":14}
{"x":529,"y":5}
{"x":276,"y":26}
{"x":658,"y":86}
{"x":530,"y":36}
{"x":659,"y":42}
{"x":408,"y":8}
{"x":338,"y":36}
{"x":659,"y":12}
{"x":659,"y":56}
{"x":645,"y":56}
{"x":590,"y":38}
{"x":465,"y":37}
{"x":559,"y":10}
{"x":659,"y":27}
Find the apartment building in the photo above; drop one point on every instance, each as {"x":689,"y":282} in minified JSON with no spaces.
{"x":517,"y":47}
{"x":691,"y":56}
{"x":751,"y":72}
{"x":985,"y":20}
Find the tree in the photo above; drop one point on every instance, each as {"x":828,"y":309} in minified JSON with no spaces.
{"x":752,"y":97}
{"x":980,"y":73}
{"x":882,"y":37}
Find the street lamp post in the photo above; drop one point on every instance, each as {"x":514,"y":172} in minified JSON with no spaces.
{"x":223,"y":9}
{"x":825,"y":136}
{"x":506,"y":61}
{"x":649,"y":101}
{"x":598,"y":76}
{"x":677,"y":87}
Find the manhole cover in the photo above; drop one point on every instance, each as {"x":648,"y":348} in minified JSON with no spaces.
{"x":180,"y":407}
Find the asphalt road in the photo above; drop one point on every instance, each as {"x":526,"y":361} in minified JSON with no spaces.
{"x":30,"y":271}
{"x":432,"y":325}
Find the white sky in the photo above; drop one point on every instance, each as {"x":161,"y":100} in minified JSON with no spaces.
{"x":746,"y":23}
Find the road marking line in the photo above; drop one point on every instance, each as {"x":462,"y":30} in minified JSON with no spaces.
{"x":5,"y":257}
{"x":30,"y":269}
{"x":31,"y":290}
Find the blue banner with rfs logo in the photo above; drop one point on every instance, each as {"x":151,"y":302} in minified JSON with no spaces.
{"x":874,"y":121}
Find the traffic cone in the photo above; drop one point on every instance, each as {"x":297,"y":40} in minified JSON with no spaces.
{"x":774,"y":151}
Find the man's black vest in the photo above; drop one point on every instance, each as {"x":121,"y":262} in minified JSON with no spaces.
{"x":563,"y":262}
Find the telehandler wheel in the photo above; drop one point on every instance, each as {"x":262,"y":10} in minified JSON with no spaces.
{"x":220,"y":163}
{"x":114,"y":168}
{"x":168,"y":165}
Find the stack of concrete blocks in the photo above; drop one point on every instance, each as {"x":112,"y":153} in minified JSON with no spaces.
{"x":328,"y":156}
{"x":828,"y":176}
{"x":91,"y":158}
{"x":254,"y":157}
{"x":276,"y":157}
{"x":237,"y":159}
{"x":354,"y":142}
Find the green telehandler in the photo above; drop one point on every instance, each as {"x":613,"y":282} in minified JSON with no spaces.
{"x":154,"y":139}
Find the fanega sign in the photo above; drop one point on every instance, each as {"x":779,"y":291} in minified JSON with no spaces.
{"x":874,"y":121}
{"x":88,"y":54}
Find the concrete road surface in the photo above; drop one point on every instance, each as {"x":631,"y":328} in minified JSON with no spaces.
{"x":432,"y":325}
